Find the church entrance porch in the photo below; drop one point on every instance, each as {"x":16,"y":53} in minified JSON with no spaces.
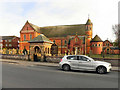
{"x":76,"y":50}
{"x":38,"y":47}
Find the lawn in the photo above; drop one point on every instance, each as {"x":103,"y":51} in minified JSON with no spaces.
{"x":105,"y":56}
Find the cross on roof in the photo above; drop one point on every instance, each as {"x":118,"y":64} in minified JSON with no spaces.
{"x":88,"y":16}
{"x":76,"y":33}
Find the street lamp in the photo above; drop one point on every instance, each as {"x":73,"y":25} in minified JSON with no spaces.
{"x":61,"y":46}
{"x":29,"y":54}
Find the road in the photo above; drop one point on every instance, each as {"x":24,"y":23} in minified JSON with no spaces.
{"x":19,"y":76}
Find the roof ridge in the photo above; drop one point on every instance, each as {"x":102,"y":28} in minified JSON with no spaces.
{"x":96,"y":39}
{"x":36,"y":28}
{"x":62,"y":25}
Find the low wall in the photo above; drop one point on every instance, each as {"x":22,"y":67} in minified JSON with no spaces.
{"x":56,"y":59}
{"x":53,"y":59}
{"x":114,"y":62}
{"x":16,"y":57}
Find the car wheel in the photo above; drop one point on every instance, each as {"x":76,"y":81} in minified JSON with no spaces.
{"x":101,"y":70}
{"x":66,"y":67}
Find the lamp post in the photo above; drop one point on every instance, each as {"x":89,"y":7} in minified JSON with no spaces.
{"x":29,"y":54}
{"x":61,"y":46}
{"x":84,"y":42}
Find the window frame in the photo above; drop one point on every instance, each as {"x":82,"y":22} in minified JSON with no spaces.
{"x":96,"y":45}
{"x":6,"y":45}
{"x":1,"y":44}
{"x":65,"y":42}
{"x":1,"y":40}
{"x":30,"y":36}
{"x":24,"y":37}
{"x":76,"y":39}
{"x":10,"y":45}
{"x":10,"y":40}
{"x":99,"y":45}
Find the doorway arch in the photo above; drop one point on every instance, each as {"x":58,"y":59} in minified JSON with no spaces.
{"x":37,"y":53}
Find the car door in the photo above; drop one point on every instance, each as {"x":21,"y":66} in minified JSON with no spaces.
{"x":73,"y":61}
{"x":85,"y":63}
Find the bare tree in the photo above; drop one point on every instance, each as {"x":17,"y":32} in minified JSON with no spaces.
{"x":116,"y":31}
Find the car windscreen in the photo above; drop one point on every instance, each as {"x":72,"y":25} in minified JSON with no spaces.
{"x":90,"y":58}
{"x":83,"y":58}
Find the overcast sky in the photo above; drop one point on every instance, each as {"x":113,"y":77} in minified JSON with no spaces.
{"x":103,"y":14}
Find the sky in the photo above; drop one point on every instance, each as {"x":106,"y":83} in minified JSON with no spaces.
{"x":102,"y":13}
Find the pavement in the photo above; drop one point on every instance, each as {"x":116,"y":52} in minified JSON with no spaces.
{"x":31,"y":63}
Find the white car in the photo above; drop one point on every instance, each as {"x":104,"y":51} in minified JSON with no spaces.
{"x":82,"y":62}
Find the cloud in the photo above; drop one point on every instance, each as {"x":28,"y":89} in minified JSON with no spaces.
{"x":14,"y":14}
{"x":61,"y":12}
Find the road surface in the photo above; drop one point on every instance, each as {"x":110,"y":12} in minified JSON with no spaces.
{"x":19,"y":76}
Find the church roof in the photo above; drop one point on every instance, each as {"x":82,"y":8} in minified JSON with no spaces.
{"x":60,"y":30}
{"x":63,"y":30}
{"x":40,"y":38}
{"x":36,"y":28}
{"x":88,"y":22}
{"x":96,"y":39}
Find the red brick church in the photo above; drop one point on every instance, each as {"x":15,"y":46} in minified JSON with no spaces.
{"x":70,"y":39}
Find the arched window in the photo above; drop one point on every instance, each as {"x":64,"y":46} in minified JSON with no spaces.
{"x":45,"y":50}
{"x":65,"y":42}
{"x":10,"y":45}
{"x":108,"y":51}
{"x":76,"y":40}
{"x":99,"y":45}
{"x":30,"y":36}
{"x":69,"y":42}
{"x":10,"y":40}
{"x":54,"y":41}
{"x":106,"y":44}
{"x":96,"y":45}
